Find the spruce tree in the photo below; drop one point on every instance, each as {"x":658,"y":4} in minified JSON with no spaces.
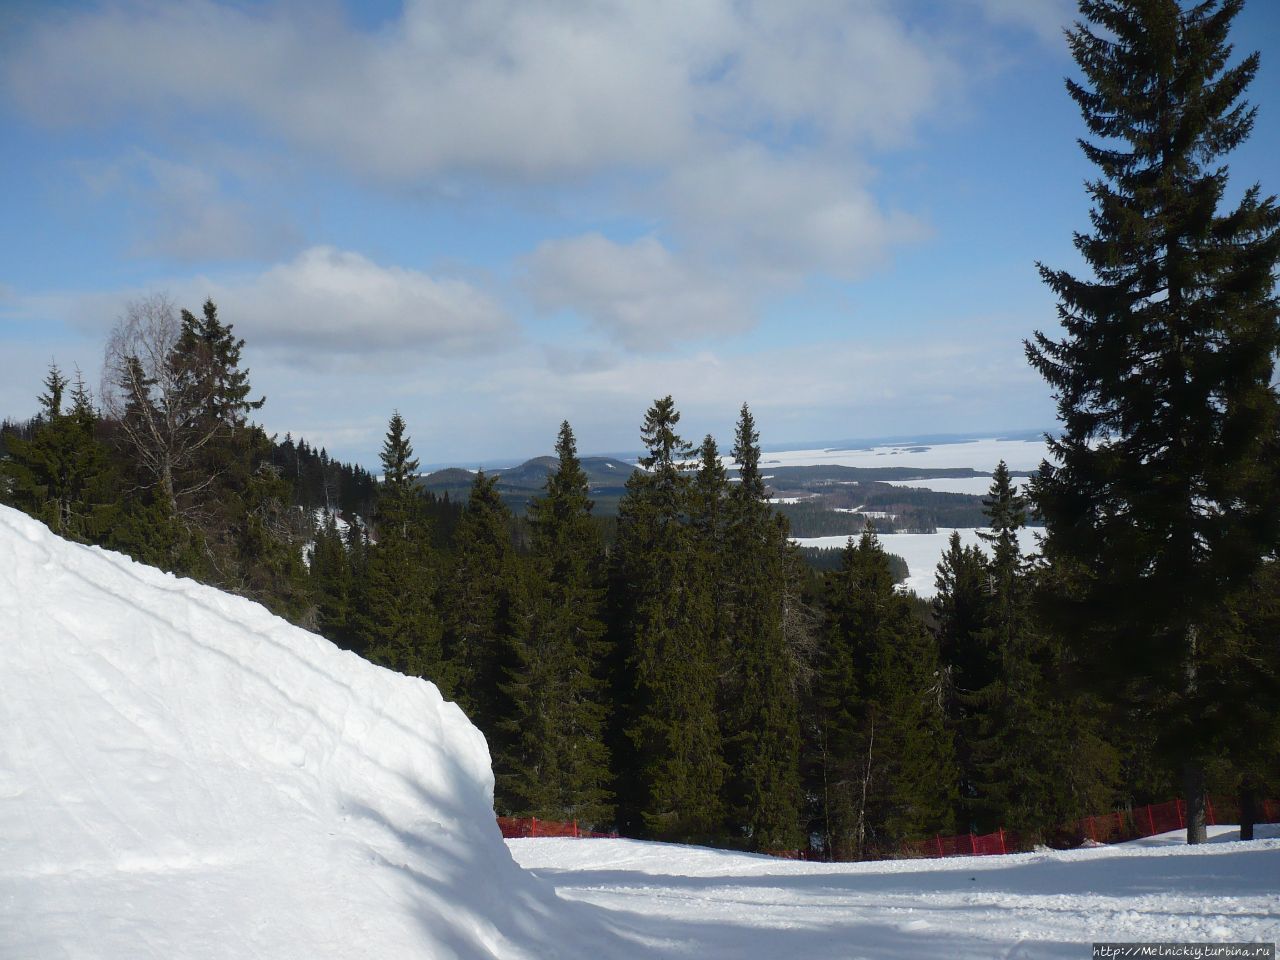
{"x":1037,"y":755}
{"x":670,"y":660}
{"x":480,"y":609}
{"x":331,"y":583}
{"x":396,"y":621}
{"x":759,"y":682}
{"x":886,"y":766}
{"x":1163,"y":497}
{"x":561,"y":765}
{"x":960,"y":607}
{"x":61,"y":475}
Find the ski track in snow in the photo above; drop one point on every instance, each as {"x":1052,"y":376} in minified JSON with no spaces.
{"x":678,"y":902}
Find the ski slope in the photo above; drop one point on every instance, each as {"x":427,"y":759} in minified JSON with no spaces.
{"x":183,"y":775}
{"x":690,"y":902}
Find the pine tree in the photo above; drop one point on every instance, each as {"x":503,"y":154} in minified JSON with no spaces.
{"x":759,"y":681}
{"x":1164,"y":495}
{"x":670,"y":662}
{"x":561,"y":768}
{"x":396,"y":621}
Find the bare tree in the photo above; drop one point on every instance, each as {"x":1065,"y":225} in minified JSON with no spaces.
{"x":158,"y":392}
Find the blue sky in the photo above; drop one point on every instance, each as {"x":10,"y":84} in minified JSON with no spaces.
{"x":496,"y":215}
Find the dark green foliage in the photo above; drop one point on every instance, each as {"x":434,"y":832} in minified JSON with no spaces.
{"x":667,"y":623}
{"x":826,"y":559}
{"x":1165,"y":496}
{"x":884,"y":756}
{"x":1037,"y":754}
{"x":759,"y":677}
{"x":561,"y":761}
{"x":61,"y":475}
{"x":396,"y":623}
{"x":480,"y":608}
{"x":961,"y":606}
{"x":330,"y":574}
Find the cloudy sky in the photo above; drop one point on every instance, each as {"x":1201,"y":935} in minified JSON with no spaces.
{"x":496,"y":214}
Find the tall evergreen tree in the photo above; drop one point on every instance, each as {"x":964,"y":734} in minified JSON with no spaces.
{"x":561,"y":768}
{"x":396,"y":622}
{"x":1037,"y":754}
{"x":668,"y":628}
{"x":960,"y":607}
{"x":760,"y":703}
{"x":480,"y":609}
{"x":1164,"y":496}
{"x":886,"y":771}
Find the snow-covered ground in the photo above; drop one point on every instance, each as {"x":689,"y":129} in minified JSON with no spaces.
{"x":922,"y":551}
{"x":981,"y":455}
{"x":184,"y":775}
{"x":678,"y":902}
{"x":975,"y":486}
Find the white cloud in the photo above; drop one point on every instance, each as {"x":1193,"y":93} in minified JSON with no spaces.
{"x":785,"y":215}
{"x":325,"y":309}
{"x":530,"y":90}
{"x":184,"y":211}
{"x":1045,"y":18}
{"x":335,"y":303}
{"x":639,"y":293}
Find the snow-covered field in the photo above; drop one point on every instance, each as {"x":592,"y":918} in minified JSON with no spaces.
{"x":922,"y":551}
{"x":183,"y":775}
{"x":974,"y":486}
{"x":980,"y":455}
{"x":677,"y":902}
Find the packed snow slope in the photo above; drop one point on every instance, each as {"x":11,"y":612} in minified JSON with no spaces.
{"x":183,"y":774}
{"x":691,"y":903}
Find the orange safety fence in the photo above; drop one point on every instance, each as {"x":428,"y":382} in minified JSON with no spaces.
{"x":536,"y":827}
{"x":1114,"y":827}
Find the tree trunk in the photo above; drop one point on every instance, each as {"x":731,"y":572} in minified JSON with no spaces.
{"x":1194,"y":796}
{"x":1248,"y":808}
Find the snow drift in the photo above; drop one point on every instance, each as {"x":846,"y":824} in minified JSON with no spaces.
{"x":183,"y":774}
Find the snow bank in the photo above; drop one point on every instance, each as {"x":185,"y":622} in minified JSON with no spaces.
{"x":184,"y":775}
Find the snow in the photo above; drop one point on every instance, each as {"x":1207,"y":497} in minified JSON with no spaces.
{"x":982,"y":455}
{"x":691,"y":902}
{"x":922,"y":551}
{"x":184,"y":775}
{"x":976,"y":486}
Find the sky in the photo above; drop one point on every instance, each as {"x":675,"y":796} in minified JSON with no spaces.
{"x":496,"y":215}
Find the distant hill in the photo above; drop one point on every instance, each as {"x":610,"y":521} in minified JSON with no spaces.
{"x":607,"y":477}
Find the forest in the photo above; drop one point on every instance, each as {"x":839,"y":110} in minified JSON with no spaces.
{"x":678,"y":671}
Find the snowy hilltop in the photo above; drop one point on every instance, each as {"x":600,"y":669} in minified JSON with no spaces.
{"x":183,"y":774}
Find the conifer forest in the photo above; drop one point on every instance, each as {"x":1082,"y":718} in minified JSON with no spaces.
{"x":680,"y":671}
